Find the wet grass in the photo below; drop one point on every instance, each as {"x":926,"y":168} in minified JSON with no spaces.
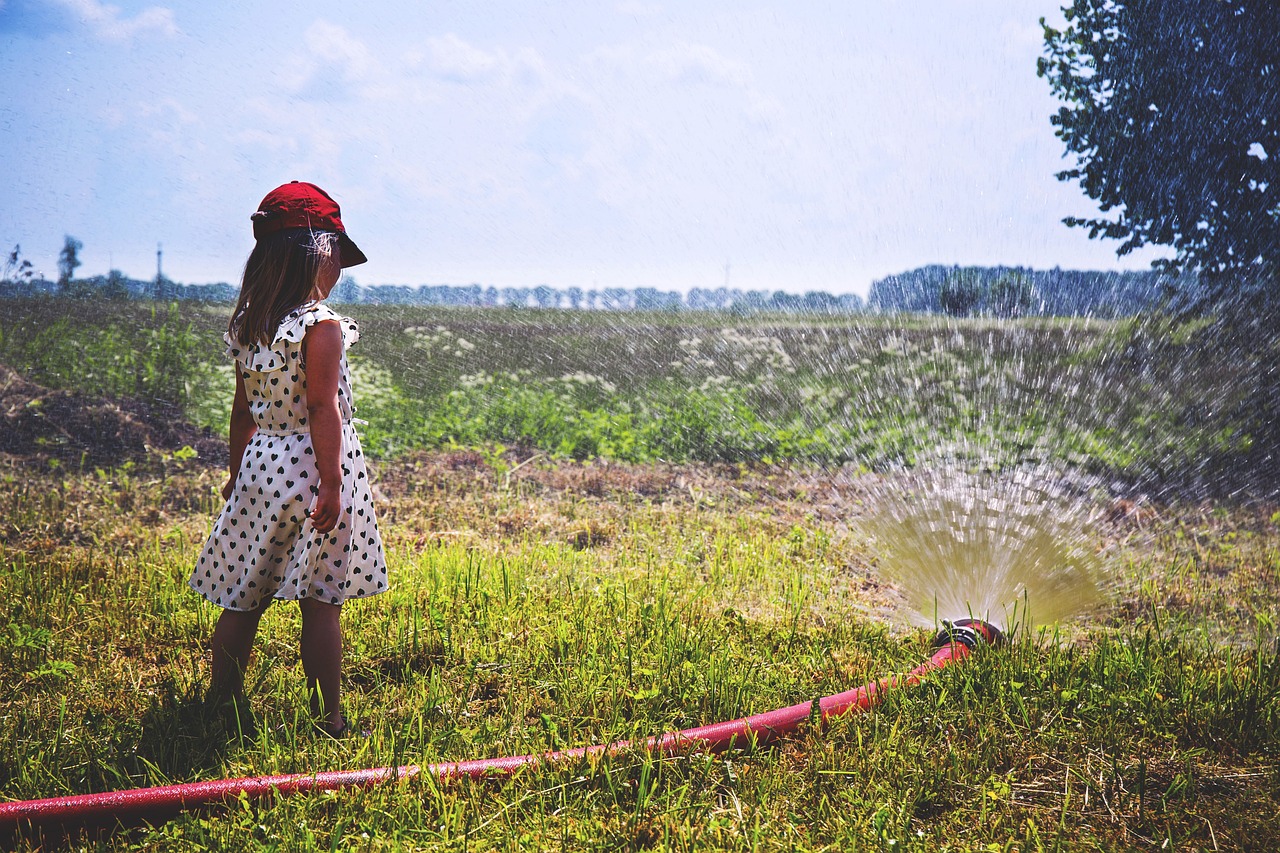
{"x":627,"y":525}
{"x":540,"y":604}
{"x":1146,"y":400}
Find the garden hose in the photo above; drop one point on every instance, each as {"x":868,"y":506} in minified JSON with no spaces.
{"x":107,"y":810}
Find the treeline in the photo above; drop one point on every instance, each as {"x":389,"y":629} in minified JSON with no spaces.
{"x":956,"y":291}
{"x":1021,"y":292}
{"x":348,"y":291}
{"x":603,"y":299}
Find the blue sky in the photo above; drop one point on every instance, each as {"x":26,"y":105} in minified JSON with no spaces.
{"x":806,"y":145}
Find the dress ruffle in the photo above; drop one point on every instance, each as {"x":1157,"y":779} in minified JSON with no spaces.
{"x":291,"y":331}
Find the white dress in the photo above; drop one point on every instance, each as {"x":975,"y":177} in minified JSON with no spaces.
{"x":263,"y":544}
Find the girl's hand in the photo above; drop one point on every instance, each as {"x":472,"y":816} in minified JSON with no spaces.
{"x":326,"y":508}
{"x":228,"y":489}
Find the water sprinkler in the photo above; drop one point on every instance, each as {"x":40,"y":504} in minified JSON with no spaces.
{"x":108,"y":810}
{"x":969,"y":633}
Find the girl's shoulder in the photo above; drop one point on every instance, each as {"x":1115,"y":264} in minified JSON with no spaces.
{"x":293,"y":328}
{"x":289,"y":334}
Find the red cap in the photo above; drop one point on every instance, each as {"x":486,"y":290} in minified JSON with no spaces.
{"x":299,"y":204}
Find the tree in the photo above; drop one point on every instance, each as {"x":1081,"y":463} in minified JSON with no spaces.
{"x":1171,"y":109}
{"x":1172,"y":112}
{"x":1010,"y":295}
{"x":346,"y":291}
{"x":962,"y":292}
{"x":68,"y":260}
{"x":545,"y":297}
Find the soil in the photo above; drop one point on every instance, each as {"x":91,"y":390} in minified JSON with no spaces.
{"x":39,"y":424}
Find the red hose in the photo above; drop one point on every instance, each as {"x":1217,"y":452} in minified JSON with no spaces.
{"x":155,"y":805}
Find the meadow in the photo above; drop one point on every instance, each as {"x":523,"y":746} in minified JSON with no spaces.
{"x":610,"y":526}
{"x":1137,"y":399}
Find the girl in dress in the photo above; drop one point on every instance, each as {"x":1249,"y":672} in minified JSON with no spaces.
{"x":299,"y":522}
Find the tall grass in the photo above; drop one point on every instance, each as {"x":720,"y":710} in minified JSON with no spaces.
{"x":152,"y":351}
{"x":506,"y":634}
{"x":1140,"y":399}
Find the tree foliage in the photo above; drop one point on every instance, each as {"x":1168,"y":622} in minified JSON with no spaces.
{"x":68,"y":260}
{"x":1171,"y":109}
{"x":1021,"y":292}
{"x":962,"y":292}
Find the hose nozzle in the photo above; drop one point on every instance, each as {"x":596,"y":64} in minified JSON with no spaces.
{"x":968,"y":632}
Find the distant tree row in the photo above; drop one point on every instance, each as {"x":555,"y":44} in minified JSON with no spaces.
{"x":1020,"y":292}
{"x":603,"y":299}
{"x":957,"y":291}
{"x":18,"y":278}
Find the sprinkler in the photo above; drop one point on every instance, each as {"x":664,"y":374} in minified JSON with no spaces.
{"x":969,"y":633}
{"x":62,"y":815}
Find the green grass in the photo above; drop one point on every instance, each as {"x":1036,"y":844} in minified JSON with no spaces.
{"x":1139,"y":399}
{"x":694,"y":600}
{"x":621,"y":526}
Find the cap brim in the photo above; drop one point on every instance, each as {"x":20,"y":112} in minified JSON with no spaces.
{"x":351,"y":254}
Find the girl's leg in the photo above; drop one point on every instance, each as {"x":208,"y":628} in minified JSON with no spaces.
{"x":322,"y":661}
{"x":232,"y":643}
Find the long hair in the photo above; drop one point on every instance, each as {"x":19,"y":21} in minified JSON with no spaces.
{"x":279,"y":275}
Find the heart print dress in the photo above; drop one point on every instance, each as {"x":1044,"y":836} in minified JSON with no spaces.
{"x":263,"y":545}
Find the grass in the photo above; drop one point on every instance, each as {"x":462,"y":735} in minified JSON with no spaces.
{"x":602,"y":528}
{"x":551,"y":604}
{"x":1142,"y":400}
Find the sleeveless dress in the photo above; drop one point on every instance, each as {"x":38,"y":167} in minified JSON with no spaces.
{"x":263,"y":545}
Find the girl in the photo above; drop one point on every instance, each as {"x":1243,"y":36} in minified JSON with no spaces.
{"x":298,"y":523}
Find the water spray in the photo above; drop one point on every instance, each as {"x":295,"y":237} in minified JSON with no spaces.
{"x":112,"y":809}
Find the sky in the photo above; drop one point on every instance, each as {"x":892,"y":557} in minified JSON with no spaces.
{"x":797,"y":146}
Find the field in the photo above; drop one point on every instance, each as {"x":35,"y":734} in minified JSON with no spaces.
{"x":610,"y":526}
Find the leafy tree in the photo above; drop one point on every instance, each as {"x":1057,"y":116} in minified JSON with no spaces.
{"x":962,"y":293}
{"x":1171,"y":109}
{"x":1010,"y":295}
{"x":346,"y":291}
{"x":545,"y":297}
{"x":68,"y":260}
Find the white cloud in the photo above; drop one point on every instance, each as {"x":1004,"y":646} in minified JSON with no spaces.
{"x":698,"y":63}
{"x":169,"y":123}
{"x":457,"y":60}
{"x":107,"y":23}
{"x":453,"y":59}
{"x":331,"y":63}
{"x":338,"y":48}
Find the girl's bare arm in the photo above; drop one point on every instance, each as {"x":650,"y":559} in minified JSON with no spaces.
{"x":241,"y":429}
{"x":322,"y":349}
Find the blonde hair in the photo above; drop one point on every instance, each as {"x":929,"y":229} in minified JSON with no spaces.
{"x":279,"y":275}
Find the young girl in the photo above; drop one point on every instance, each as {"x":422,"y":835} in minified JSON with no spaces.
{"x":298,"y":524}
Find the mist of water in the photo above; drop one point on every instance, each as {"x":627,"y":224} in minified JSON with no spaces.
{"x":1012,"y":547}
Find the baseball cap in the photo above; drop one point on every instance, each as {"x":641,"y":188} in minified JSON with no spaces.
{"x":299,"y":204}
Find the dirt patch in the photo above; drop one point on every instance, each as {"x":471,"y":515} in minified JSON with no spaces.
{"x":800,"y":491}
{"x":38,"y":424}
